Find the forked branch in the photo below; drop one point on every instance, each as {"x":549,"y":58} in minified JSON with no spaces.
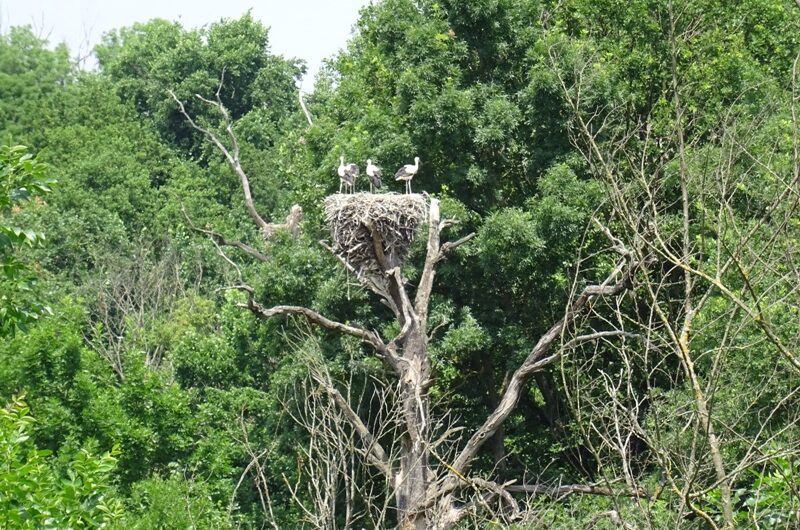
{"x":536,"y":361}
{"x":232,"y":157}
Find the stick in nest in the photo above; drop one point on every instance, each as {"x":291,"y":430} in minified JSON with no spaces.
{"x":356,"y":219}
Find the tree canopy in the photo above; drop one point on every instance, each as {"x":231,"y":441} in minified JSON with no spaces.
{"x":649,"y":144}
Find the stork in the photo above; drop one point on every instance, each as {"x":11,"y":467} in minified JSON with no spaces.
{"x":407,"y":173}
{"x":374,"y":174}
{"x":347,"y":175}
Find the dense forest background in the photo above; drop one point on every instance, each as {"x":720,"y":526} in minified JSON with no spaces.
{"x":137,"y":393}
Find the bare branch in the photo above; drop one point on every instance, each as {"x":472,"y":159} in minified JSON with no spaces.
{"x":303,"y":106}
{"x":561,"y":491}
{"x":535,"y":362}
{"x":220,"y":240}
{"x":428,"y":270}
{"x":452,"y":245}
{"x":231,"y":157}
{"x":373,"y":449}
{"x":370,"y":337}
{"x":598,"y":335}
{"x":316,"y":318}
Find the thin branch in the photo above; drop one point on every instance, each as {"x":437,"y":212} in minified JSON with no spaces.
{"x":220,"y":240}
{"x":559,"y":492}
{"x":303,"y":105}
{"x":373,"y":449}
{"x":599,"y":335}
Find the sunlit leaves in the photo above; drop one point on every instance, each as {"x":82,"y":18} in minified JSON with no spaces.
{"x":36,"y":492}
{"x":23,"y":178}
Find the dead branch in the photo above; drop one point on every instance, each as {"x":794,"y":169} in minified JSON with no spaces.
{"x":373,"y":449}
{"x":536,"y":361}
{"x":232,"y":157}
{"x":315,"y":318}
{"x":219,"y":239}
{"x":370,"y":337}
{"x":303,"y":106}
{"x":564,"y":490}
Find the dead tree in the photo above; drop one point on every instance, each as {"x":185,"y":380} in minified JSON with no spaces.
{"x":128,"y":298}
{"x":428,"y":490}
{"x":431,"y":488}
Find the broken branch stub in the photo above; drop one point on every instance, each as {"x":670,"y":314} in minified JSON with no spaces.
{"x":373,"y":232}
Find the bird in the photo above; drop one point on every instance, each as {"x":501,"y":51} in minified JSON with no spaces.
{"x":407,"y":173}
{"x":347,"y":175}
{"x":374,"y":174}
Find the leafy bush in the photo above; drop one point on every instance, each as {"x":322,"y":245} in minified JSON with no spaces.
{"x":22,"y":178}
{"x":36,"y":492}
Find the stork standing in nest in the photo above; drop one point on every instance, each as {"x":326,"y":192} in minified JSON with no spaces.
{"x":407,"y":173}
{"x":347,"y":175}
{"x":374,"y":174}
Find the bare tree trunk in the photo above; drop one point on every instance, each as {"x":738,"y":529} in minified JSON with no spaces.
{"x":412,"y":479}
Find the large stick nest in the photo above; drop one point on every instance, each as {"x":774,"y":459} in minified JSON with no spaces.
{"x":356,"y":219}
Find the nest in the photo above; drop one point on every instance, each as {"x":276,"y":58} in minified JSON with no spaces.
{"x":358,"y":220}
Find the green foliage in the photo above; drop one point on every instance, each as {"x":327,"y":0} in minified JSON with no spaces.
{"x":148,"y":59}
{"x":31,"y":76}
{"x":175,"y":502}
{"x":772,"y":501}
{"x":149,"y":355}
{"x":23,"y":178}
{"x":36,"y":491}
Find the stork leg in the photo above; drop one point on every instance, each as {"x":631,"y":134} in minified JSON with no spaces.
{"x":340,"y":185}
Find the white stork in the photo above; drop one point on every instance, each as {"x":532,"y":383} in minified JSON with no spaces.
{"x":407,"y":173}
{"x":347,"y":175}
{"x":374,"y":174}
